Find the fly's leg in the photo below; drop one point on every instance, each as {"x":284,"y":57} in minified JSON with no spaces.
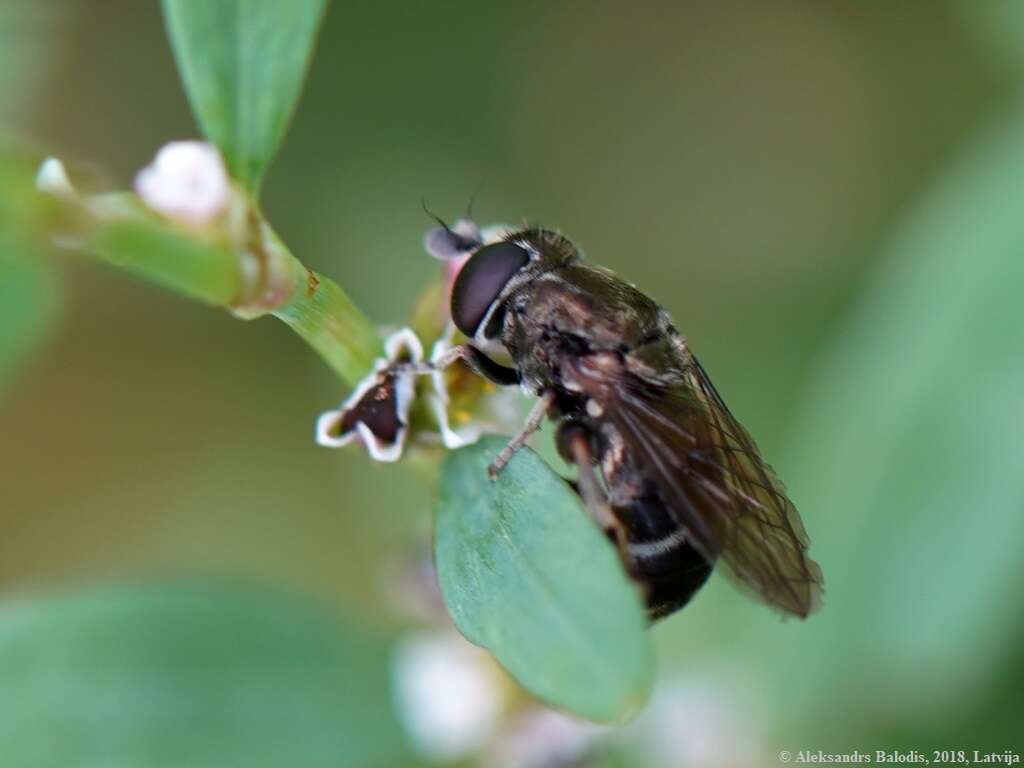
{"x":575,"y":445}
{"x":461,"y":352}
{"x":533,"y":422}
{"x":477,"y":361}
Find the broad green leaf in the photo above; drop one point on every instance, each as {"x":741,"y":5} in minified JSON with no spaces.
{"x":243,"y":63}
{"x":190,"y":675}
{"x":912,"y":466}
{"x":528,"y":576}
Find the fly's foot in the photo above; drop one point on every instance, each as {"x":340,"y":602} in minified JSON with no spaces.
{"x":533,"y":422}
{"x":494,"y":469}
{"x":504,"y":456}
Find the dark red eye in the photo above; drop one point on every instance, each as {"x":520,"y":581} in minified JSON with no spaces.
{"x":481,"y":281}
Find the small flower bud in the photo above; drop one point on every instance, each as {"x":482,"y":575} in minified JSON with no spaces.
{"x":458,"y":241}
{"x":186,"y":182}
{"x":52,"y":178}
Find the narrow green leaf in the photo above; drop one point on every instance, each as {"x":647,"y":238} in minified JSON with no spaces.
{"x":28,"y":303}
{"x":29,"y":297}
{"x":190,"y":675}
{"x":527,"y":575}
{"x":243,"y":63}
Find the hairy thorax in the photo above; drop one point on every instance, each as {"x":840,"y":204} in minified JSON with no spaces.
{"x":577,"y":313}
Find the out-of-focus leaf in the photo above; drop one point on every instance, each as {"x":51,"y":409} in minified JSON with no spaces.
{"x":28,"y":303}
{"x":999,"y":25}
{"x":243,"y":63}
{"x":185,"y":674}
{"x":24,"y":64}
{"x":526,"y":574}
{"x":28,"y":290}
{"x":912,"y":469}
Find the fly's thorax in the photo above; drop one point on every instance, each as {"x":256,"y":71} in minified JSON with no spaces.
{"x":590,"y":304}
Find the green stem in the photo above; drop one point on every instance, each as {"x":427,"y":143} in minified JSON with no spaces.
{"x":313,"y":306}
{"x":330,"y":323}
{"x":256,"y":278}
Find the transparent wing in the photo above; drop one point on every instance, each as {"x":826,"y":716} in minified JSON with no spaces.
{"x":712,"y":477}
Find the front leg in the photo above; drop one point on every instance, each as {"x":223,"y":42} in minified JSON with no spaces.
{"x":533,"y":422}
{"x":477,"y":361}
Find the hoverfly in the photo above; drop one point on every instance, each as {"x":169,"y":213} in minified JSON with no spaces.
{"x":664,"y":468}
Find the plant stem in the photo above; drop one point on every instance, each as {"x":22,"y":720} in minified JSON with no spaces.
{"x":255,"y":276}
{"x":313,"y":306}
{"x":277,"y":283}
{"x":330,"y":323}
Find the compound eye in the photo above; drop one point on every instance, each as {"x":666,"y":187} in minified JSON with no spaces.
{"x":481,"y":280}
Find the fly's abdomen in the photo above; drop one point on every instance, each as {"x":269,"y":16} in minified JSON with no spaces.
{"x":669,"y":568}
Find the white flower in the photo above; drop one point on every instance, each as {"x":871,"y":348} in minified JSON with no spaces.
{"x":380,"y":386}
{"x":186,"y":182}
{"x":451,"y":438}
{"x":448,"y":694}
{"x":702,"y":721}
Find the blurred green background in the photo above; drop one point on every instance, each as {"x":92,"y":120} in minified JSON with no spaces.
{"x":826,"y":196}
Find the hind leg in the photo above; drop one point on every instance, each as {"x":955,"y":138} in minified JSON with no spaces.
{"x":574,"y":443}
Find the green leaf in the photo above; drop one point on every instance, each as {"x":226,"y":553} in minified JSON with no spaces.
{"x":243,"y":63}
{"x":25,"y":65}
{"x":999,"y":25}
{"x":526,"y":574}
{"x":29,"y":298}
{"x":912,"y":454}
{"x":190,"y":675}
{"x":28,"y":303}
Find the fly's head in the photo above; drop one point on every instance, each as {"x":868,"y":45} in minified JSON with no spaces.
{"x":495,"y":283}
